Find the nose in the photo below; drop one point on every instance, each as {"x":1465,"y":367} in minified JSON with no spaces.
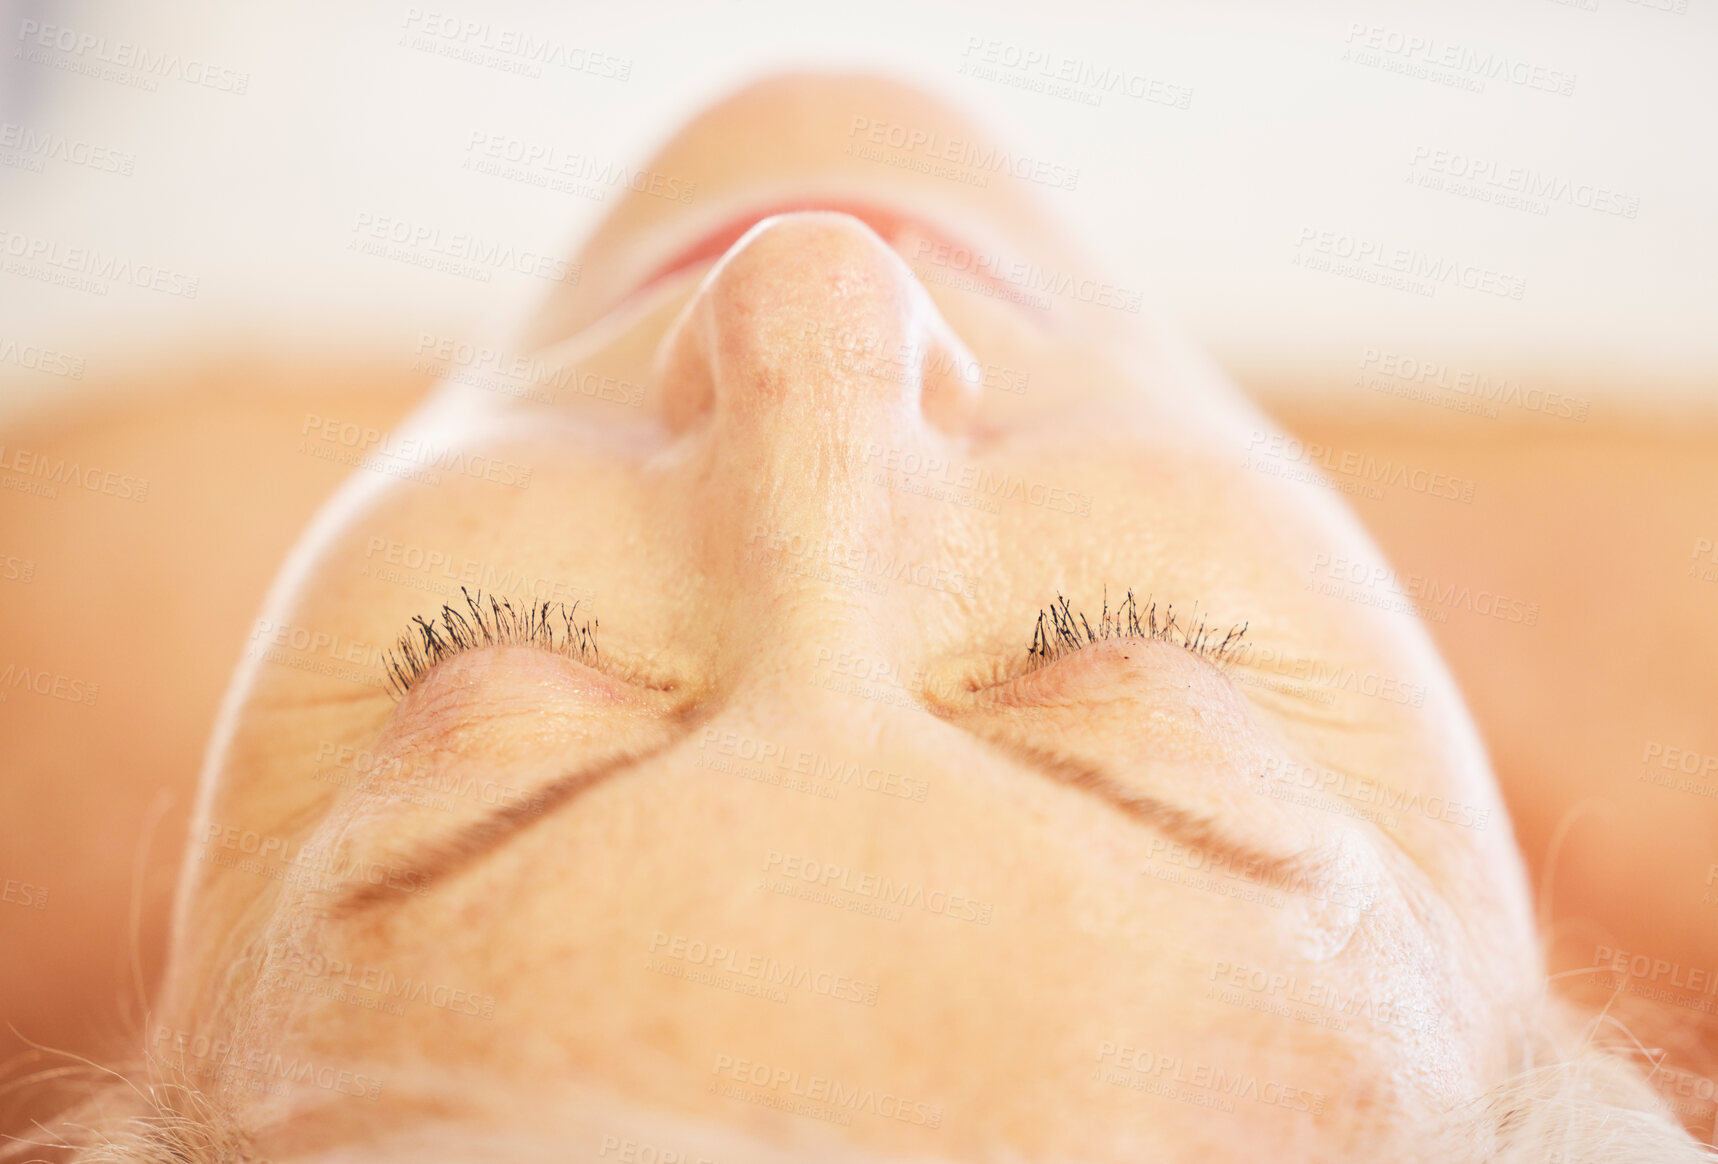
{"x":813,"y":315}
{"x":809,"y":358}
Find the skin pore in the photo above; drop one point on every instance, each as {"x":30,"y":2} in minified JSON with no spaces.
{"x":1059,"y":892}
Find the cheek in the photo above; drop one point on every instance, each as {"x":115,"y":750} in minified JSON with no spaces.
{"x":1416,"y":988}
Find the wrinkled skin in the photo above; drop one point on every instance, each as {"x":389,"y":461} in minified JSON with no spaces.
{"x":1046,"y":904}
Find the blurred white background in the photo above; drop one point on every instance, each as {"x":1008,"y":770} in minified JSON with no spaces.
{"x":1314,"y":117}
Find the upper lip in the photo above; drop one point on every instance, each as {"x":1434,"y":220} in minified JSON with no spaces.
{"x":888,"y":222}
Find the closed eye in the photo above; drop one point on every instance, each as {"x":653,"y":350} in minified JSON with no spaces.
{"x":1061,"y":630}
{"x":1298,"y":685}
{"x":497,"y":622}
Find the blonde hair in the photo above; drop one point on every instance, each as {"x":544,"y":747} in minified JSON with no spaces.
{"x":1572,"y":1100}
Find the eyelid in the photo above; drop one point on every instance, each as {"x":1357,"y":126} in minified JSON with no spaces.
{"x":478,"y":686}
{"x":1061,"y":630}
{"x":1168,"y":730}
{"x":1122,"y":669}
{"x":550,"y":626}
{"x":487,"y":746}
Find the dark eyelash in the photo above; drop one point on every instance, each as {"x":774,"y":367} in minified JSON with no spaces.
{"x":1062,"y":631}
{"x":549,"y":625}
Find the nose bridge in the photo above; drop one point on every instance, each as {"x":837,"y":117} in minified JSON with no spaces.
{"x":802,"y":363}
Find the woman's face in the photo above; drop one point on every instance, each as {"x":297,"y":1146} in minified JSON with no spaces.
{"x":810,"y":843}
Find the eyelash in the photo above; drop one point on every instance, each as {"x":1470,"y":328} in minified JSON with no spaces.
{"x":1061,"y":630}
{"x":502,"y":624}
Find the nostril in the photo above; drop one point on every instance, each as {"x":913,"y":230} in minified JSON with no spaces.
{"x":813,"y":314}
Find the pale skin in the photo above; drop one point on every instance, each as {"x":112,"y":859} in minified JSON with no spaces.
{"x":1092,"y":839}
{"x":1094,"y":828}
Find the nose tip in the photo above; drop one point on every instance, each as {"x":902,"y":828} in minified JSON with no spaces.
{"x":812,"y":318}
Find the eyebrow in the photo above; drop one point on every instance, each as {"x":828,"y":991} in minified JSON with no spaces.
{"x":446,"y":856}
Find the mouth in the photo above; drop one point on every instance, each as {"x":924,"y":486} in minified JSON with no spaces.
{"x":896,"y":227}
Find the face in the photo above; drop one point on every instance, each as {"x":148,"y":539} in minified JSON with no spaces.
{"x":794,"y":761}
